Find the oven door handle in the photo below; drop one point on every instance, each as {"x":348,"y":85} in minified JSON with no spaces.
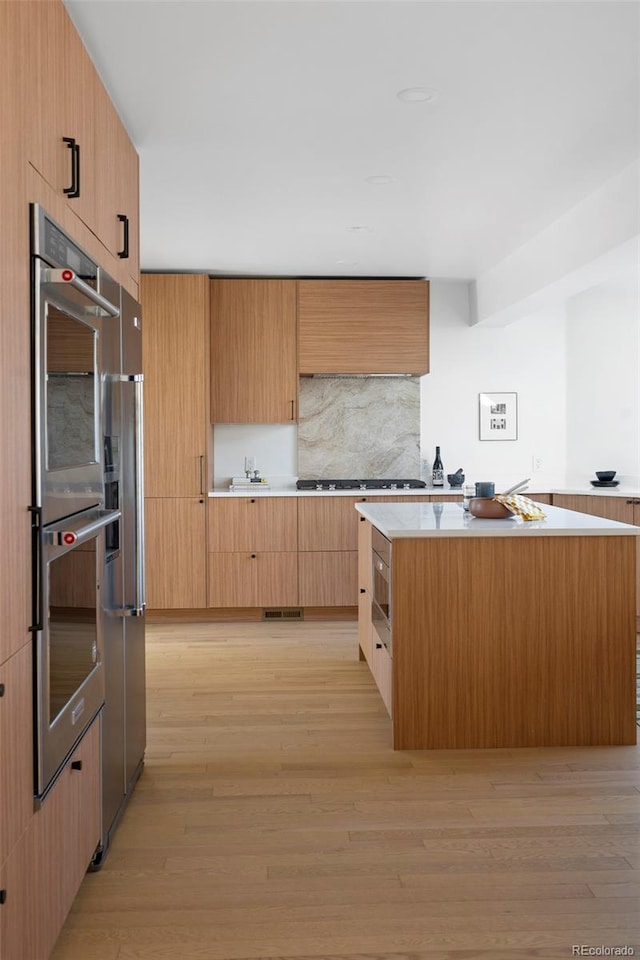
{"x":71,"y":537}
{"x":67,"y":280}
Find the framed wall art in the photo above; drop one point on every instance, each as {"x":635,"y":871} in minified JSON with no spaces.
{"x":498,"y":416}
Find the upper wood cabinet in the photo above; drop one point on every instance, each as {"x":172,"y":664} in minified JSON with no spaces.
{"x":253,"y":351}
{"x":363,"y":326}
{"x":175,"y":350}
{"x":75,"y":138}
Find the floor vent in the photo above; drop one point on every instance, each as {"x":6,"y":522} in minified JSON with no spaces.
{"x":282,"y":614}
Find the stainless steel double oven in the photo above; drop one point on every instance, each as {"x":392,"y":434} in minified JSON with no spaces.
{"x":75,"y":306}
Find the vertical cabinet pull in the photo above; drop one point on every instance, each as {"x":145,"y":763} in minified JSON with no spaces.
{"x":124,"y":253}
{"x":1,"y":689}
{"x":3,"y":896}
{"x":201,"y":469}
{"x":74,"y":190}
{"x":293,"y":409}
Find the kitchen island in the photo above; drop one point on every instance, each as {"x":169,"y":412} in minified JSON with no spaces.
{"x":503,"y":633}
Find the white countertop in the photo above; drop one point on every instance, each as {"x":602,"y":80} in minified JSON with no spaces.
{"x":282,"y":492}
{"x":628,"y":493}
{"x":450,"y":520}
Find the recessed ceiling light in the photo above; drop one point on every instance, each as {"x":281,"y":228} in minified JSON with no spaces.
{"x":380,"y":179}
{"x":416,"y":95}
{"x":348,"y":263}
{"x":361,"y":228}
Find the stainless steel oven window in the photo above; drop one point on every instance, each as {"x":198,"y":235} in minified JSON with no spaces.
{"x":71,"y":393}
{"x":72,"y":623}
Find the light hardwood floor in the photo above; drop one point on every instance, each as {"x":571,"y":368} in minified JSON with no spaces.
{"x":273,"y":820}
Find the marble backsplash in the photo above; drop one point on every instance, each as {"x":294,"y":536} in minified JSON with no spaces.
{"x":359,"y":427}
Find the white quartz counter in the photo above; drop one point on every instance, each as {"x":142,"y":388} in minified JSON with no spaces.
{"x":274,"y":492}
{"x":450,"y":520}
{"x":626,"y":492}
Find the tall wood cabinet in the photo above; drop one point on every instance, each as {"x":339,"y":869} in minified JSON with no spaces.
{"x":49,"y":91}
{"x":175,"y":347}
{"x":254,"y":377}
{"x":363,"y":326}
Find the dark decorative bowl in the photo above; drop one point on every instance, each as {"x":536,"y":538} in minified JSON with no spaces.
{"x":487,"y":509}
{"x":605,"y":475}
{"x":455,"y":479}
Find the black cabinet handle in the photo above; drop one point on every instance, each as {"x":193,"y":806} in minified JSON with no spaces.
{"x":253,"y":556}
{"x":1,"y":689}
{"x":76,"y":764}
{"x":124,"y":253}
{"x":252,"y":500}
{"x":3,"y":896}
{"x":378,"y":646}
{"x":362,"y":590}
{"x":74,"y":190}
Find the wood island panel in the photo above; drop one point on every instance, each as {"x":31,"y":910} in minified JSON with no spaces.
{"x":508,"y":646}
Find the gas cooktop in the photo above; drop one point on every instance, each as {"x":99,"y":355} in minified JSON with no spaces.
{"x":360,"y":484}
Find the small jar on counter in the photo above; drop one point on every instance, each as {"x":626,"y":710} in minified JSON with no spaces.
{"x":468,"y":492}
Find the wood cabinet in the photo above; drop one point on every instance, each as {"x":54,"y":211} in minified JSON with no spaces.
{"x":16,"y":747}
{"x":253,"y":524}
{"x":328,"y":530}
{"x":253,"y":351}
{"x":328,"y":578}
{"x":15,"y":340}
{"x":264,"y":579}
{"x":363,"y":326}
{"x":76,"y":139}
{"x":176,"y":553}
{"x":175,"y":352}
{"x":175,"y":340}
{"x":42,"y":875}
{"x":117,"y":189}
{"x":622,"y":509}
{"x":253,"y":560}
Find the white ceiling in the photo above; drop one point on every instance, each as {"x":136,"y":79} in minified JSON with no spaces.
{"x":258,"y":124}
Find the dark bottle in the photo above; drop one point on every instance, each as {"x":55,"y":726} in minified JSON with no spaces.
{"x":437,"y":471}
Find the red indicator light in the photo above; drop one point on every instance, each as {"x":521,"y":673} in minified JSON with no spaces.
{"x":69,"y":538}
{"x":67,"y":274}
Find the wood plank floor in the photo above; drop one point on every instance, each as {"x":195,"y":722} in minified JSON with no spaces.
{"x":273,"y":820}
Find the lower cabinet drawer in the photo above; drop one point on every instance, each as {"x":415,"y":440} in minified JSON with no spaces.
{"x":381,"y":668}
{"x":44,"y":871}
{"x":328,"y":578}
{"x":253,"y":579}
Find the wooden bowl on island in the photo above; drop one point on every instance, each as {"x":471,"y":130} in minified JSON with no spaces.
{"x":487,"y":509}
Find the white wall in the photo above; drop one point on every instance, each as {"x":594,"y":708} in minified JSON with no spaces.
{"x":603,"y":380}
{"x":527,"y":357}
{"x":274,"y":445}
